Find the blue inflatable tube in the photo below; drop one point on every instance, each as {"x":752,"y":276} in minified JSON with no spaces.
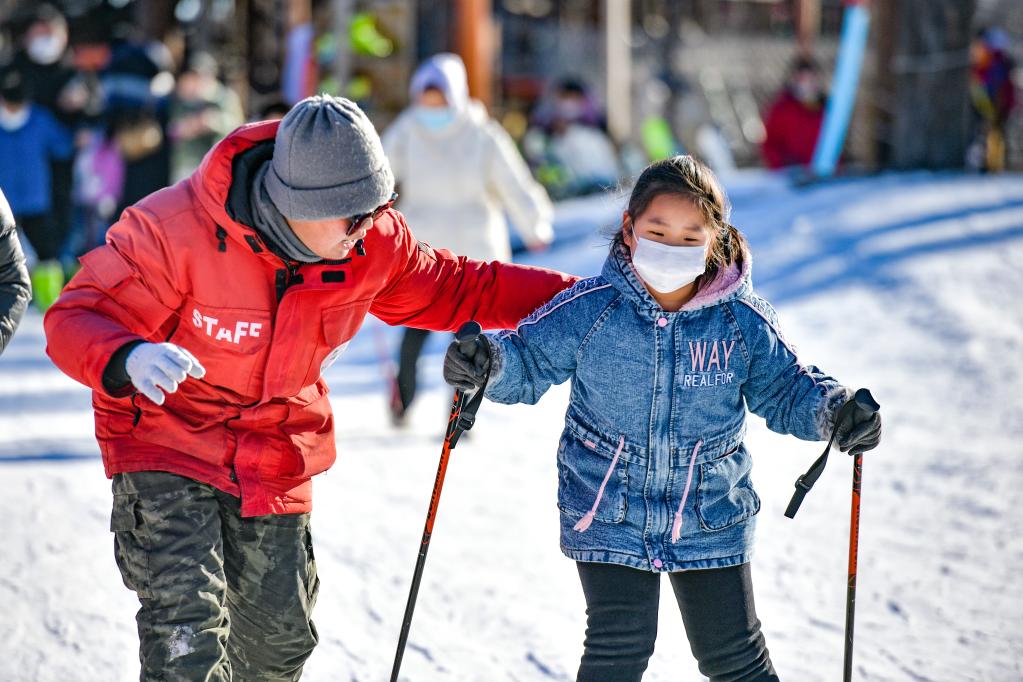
{"x":838,"y":111}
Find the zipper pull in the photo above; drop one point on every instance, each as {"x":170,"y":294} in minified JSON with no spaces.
{"x":281,"y":283}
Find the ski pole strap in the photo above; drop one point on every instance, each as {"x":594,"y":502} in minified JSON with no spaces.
{"x":805,"y":482}
{"x":467,"y":415}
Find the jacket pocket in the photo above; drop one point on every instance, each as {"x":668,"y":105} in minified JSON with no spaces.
{"x":725,"y":495}
{"x":310,"y":430}
{"x":186,"y":423}
{"x":339,"y":325}
{"x":130,"y":550}
{"x":582,"y":467}
{"x":292,"y":369}
{"x":231,"y":343}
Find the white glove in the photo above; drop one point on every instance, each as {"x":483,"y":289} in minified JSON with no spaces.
{"x":152,"y":366}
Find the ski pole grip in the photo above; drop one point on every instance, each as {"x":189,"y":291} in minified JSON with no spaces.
{"x":466,"y":335}
{"x":865,"y":402}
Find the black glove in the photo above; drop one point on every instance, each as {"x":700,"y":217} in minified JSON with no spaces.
{"x":467,"y":363}
{"x":857,"y":430}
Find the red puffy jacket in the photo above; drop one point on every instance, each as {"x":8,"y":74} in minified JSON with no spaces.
{"x":177,"y":268}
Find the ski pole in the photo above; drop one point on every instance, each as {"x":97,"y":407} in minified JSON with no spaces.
{"x":866,"y":404}
{"x":461,"y":419}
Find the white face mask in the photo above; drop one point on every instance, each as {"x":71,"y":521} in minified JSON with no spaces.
{"x":668,"y":268}
{"x":434,"y":118}
{"x":46,"y":49}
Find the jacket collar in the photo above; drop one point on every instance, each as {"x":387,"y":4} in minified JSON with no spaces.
{"x":212,"y":181}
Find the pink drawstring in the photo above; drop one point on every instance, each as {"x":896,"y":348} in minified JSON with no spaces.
{"x":676,"y":526}
{"x":585,"y":521}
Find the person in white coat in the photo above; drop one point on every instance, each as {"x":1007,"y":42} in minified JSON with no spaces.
{"x":459,"y":174}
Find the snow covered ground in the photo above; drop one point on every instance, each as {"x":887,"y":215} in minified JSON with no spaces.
{"x":908,"y":284}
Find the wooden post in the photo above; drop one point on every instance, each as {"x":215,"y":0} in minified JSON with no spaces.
{"x":618,"y":51}
{"x":155,"y":17}
{"x":926,"y":97}
{"x":808,"y":24}
{"x":475,"y":44}
{"x":343,"y":58}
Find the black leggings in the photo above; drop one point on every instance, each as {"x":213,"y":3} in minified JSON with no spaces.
{"x":411,"y":347}
{"x":717,"y":611}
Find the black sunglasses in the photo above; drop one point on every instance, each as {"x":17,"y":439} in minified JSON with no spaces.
{"x":367,"y":219}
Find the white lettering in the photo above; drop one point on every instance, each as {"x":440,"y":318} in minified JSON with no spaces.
{"x":211,"y":325}
{"x":707,"y":379}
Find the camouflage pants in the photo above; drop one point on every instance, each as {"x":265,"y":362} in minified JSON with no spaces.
{"x":223,"y":597}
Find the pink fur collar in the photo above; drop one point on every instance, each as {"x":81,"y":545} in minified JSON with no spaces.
{"x":726,"y":283}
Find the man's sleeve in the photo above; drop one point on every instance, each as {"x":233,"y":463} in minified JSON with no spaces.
{"x":124,"y":292}
{"x":437,"y":290}
{"x":541,"y":352}
{"x":15,"y":290}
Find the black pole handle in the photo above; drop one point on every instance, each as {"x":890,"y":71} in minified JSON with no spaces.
{"x":467,"y":333}
{"x":865,"y":402}
{"x":466,"y":337}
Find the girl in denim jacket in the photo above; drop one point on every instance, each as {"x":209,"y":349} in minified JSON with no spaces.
{"x":665,"y":349}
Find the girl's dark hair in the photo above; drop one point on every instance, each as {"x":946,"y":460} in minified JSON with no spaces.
{"x":686,"y":177}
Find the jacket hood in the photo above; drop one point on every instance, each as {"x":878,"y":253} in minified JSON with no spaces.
{"x":446,"y":72}
{"x":213,"y":180}
{"x":729,"y":283}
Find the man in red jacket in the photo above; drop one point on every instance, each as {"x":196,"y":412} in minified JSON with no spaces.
{"x":202,"y":326}
{"x":794,"y":119}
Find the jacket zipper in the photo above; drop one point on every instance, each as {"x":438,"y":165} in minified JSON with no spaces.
{"x":286,"y":278}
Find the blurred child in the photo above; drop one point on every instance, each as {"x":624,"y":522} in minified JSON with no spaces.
{"x":99,"y":183}
{"x":793,"y":121}
{"x":993,"y":95}
{"x":665,"y":351}
{"x":30,"y":138}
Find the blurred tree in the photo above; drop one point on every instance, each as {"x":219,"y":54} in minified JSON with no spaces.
{"x":921,"y":98}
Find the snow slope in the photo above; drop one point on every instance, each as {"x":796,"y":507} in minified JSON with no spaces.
{"x":908,"y":284}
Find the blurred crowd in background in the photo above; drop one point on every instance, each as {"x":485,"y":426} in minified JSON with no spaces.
{"x":105,"y":101}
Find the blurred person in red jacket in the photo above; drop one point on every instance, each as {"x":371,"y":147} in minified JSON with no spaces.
{"x":794,"y":119}
{"x":203,"y":326}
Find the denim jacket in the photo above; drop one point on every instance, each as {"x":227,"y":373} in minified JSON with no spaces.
{"x":653,"y":472}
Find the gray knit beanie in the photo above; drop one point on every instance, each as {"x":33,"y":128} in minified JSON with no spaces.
{"x":327,"y":162}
